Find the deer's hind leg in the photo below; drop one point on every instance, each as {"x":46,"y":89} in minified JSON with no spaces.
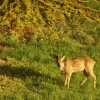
{"x":94,"y":77}
{"x":86,"y":74}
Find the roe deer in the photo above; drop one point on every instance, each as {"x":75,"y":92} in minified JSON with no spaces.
{"x":77,"y":64}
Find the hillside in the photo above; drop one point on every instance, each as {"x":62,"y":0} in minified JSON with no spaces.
{"x":78,"y":20}
{"x":32,"y":32}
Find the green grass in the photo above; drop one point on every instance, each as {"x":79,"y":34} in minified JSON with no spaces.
{"x":36,"y":75}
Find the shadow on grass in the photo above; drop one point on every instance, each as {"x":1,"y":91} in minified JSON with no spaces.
{"x":24,"y":72}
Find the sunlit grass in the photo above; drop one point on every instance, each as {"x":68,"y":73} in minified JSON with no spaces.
{"x":35,"y":76}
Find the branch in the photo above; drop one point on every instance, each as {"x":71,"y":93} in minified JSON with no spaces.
{"x":53,"y":8}
{"x":83,"y":10}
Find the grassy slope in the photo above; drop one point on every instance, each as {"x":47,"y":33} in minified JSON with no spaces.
{"x":36,"y":75}
{"x":31,"y":72}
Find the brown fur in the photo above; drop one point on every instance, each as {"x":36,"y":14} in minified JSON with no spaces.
{"x":77,"y":64}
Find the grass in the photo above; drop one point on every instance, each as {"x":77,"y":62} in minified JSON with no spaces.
{"x":35,"y":76}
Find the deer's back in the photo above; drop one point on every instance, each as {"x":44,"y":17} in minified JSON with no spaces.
{"x":79,"y":64}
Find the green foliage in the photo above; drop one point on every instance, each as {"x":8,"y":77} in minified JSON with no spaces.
{"x":53,"y":18}
{"x":32,"y":32}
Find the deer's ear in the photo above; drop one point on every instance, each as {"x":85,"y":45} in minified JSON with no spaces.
{"x":62,"y":59}
{"x":59,"y":56}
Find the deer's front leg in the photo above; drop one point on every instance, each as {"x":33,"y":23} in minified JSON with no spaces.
{"x":65,"y":81}
{"x":68,"y":78}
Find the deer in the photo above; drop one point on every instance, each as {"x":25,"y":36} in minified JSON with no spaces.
{"x":77,"y":64}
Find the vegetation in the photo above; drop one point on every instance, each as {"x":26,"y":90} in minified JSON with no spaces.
{"x":32,"y":32}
